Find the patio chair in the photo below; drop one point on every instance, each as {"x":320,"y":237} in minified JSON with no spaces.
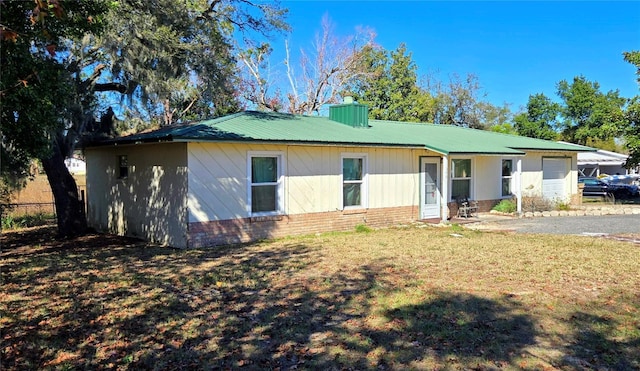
{"x":466,"y":207}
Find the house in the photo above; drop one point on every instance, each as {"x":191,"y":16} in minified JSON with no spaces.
{"x":595,"y":163}
{"x":256,"y":175}
{"x":76,"y":165}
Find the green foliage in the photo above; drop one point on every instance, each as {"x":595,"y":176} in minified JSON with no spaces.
{"x":25,"y":221}
{"x":505,"y":128}
{"x":631,"y":131}
{"x":506,"y":206}
{"x":589,"y":113}
{"x":540,"y":120}
{"x":177,"y":58}
{"x":633,"y":57}
{"x":390,"y":88}
{"x":36,"y":88}
{"x":362,"y":228}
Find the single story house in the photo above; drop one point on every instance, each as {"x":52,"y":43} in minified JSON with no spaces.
{"x":256,"y":175}
{"x":76,"y":165}
{"x":595,"y":163}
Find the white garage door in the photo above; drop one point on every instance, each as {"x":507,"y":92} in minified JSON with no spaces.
{"x":554,"y":175}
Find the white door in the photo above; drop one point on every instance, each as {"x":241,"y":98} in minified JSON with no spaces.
{"x":430,"y":195}
{"x":554,"y":175}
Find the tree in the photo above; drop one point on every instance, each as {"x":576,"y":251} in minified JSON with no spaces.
{"x":540,"y":120}
{"x":315,"y":79}
{"x":461,"y":102}
{"x":37,"y":90}
{"x":587,"y":112}
{"x":631,"y":129}
{"x":389,"y":86}
{"x":164,"y":57}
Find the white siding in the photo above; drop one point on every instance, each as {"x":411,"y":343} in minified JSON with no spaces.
{"x":150,"y":203}
{"x":532,"y":176}
{"x":218,"y":179}
{"x":487,"y":177}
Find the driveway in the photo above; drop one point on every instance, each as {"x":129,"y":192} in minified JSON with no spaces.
{"x":590,"y":225}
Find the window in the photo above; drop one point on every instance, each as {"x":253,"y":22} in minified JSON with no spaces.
{"x":353,"y":181}
{"x":123,"y":165}
{"x":507,"y":169}
{"x":266,"y":184}
{"x":460,"y":178}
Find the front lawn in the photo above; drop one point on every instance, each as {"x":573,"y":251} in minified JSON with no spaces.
{"x":403,"y":298}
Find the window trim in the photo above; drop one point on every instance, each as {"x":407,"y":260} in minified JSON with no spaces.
{"x":126,"y":167}
{"x":470,"y":178}
{"x":281,"y":171}
{"x":364,"y":183}
{"x":503,"y":177}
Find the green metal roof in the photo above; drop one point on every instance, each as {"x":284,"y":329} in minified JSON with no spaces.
{"x":251,"y":126}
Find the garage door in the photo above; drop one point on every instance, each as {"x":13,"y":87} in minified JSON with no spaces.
{"x":554,"y":175}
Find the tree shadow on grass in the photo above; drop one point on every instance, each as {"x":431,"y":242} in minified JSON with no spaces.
{"x":453,"y":328}
{"x":255,"y":306}
{"x":597,"y":344}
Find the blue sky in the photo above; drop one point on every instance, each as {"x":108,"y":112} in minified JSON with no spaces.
{"x":515,"y":48}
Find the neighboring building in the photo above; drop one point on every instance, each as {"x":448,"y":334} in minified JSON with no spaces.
{"x":253,"y":175}
{"x":599,"y":162}
{"x":76,"y":165}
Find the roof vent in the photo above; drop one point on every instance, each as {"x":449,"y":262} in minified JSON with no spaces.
{"x":350,"y":113}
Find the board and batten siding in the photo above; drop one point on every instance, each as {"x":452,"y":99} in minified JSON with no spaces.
{"x":218,"y":178}
{"x":150,"y":202}
{"x":488,"y":177}
{"x":532,"y":175}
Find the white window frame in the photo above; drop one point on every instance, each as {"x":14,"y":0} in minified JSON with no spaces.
{"x":503,"y":177}
{"x":470,"y":178}
{"x":280,"y":204}
{"x":364,"y":183}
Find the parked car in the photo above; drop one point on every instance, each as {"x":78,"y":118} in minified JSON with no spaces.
{"x":623,"y":184}
{"x":594,"y":187}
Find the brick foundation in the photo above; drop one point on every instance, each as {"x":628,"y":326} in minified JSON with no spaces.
{"x":224,"y":232}
{"x":483,"y":206}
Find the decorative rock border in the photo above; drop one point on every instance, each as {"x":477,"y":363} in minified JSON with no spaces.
{"x":587,"y":210}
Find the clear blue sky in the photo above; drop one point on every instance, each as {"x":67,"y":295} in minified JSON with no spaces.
{"x":515,"y":48}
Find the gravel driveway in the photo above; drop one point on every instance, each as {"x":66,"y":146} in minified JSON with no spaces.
{"x":580,"y":225}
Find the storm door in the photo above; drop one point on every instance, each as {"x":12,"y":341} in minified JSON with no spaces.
{"x":430,"y":195}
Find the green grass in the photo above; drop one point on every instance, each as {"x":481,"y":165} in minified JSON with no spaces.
{"x":10,"y":222}
{"x":405,"y":298}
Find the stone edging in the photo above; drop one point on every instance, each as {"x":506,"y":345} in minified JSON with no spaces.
{"x":587,"y":210}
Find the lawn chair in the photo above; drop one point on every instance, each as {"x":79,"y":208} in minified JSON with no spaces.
{"x":466,"y":207}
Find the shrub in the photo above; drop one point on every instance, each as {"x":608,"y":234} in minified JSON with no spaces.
{"x":536,"y":203}
{"x":25,"y":221}
{"x":506,"y":206}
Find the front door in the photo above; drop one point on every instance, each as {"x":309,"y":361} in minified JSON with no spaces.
{"x":430,"y":188}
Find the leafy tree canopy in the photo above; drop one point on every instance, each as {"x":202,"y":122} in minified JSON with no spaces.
{"x":589,"y":113}
{"x":631,"y":131}
{"x":540,"y":119}
{"x":390,"y":88}
{"x":172,"y":59}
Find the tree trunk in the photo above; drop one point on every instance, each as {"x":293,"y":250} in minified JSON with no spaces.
{"x":69,"y":208}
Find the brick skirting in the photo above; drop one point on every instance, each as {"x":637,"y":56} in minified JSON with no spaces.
{"x":224,"y":232}
{"x":483,"y":206}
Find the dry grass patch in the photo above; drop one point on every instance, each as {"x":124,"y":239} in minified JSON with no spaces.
{"x":421,"y":298}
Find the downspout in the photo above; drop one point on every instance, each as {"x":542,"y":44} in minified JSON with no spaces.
{"x":445,"y":189}
{"x":518,"y":186}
